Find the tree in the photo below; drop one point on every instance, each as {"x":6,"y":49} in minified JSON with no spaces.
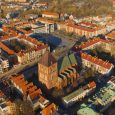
{"x":24,"y":107}
{"x":60,"y":6}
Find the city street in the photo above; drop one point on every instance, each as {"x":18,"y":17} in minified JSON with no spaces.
{"x":18,"y":69}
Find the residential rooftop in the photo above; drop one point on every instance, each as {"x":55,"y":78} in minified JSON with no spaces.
{"x":111,"y":35}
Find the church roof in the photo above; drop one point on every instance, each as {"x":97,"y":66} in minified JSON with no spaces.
{"x":66,"y":61}
{"x":47,"y":59}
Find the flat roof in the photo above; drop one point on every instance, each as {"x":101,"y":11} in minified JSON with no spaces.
{"x":105,"y":95}
{"x":85,"y":110}
{"x":73,"y":94}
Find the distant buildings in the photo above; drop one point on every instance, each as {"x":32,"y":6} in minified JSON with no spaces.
{"x":111,"y":35}
{"x":51,"y":15}
{"x":110,"y":26}
{"x":16,"y":0}
{"x":78,"y":94}
{"x":113,"y":4}
{"x":82,"y":29}
{"x":40,"y":5}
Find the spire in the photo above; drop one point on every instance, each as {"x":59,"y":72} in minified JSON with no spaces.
{"x":47,"y":59}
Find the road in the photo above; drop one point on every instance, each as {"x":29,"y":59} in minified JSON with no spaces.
{"x":18,"y":69}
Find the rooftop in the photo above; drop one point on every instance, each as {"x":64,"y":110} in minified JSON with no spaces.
{"x":93,"y":42}
{"x":79,"y":91}
{"x":50,"y":13}
{"x":85,"y":110}
{"x":111,"y":35}
{"x":97,"y":61}
{"x":47,"y":59}
{"x":105,"y":95}
{"x":66,"y":61}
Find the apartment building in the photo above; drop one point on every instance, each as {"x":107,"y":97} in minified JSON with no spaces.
{"x":96,"y":64}
{"x":47,"y":14}
{"x":113,"y":4}
{"x":101,"y":101}
{"x":78,"y":94}
{"x":4,"y":65}
{"x":111,"y":35}
{"x":49,"y":110}
{"x":6,"y":106}
{"x":110,"y":26}
{"x":82,"y":29}
{"x":16,"y":0}
{"x":41,"y":5}
{"x":37,"y":48}
{"x":91,"y":44}
{"x":33,"y":94}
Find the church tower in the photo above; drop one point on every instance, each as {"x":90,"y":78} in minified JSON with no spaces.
{"x":47,"y":70}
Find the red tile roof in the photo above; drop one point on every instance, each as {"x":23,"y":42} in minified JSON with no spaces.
{"x":111,"y":35}
{"x":82,"y":27}
{"x":26,"y":87}
{"x":96,"y":61}
{"x":50,"y":13}
{"x":43,"y":20}
{"x":87,"y":24}
{"x":93,"y":42}
{"x":35,"y":94}
{"x":92,"y":84}
{"x":50,"y":108}
{"x":6,"y":49}
{"x":43,"y":3}
{"x":89,"y":43}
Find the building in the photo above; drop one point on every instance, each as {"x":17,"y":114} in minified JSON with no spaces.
{"x":78,"y":94}
{"x":40,"y":5}
{"x":86,"y":110}
{"x":82,"y":29}
{"x":113,"y":4}
{"x":48,"y":71}
{"x":111,"y":35}
{"x":4,"y":65}
{"x":49,"y":25}
{"x":31,"y":16}
{"x":103,"y":67}
{"x":67,"y":73}
{"x":110,"y":26}
{"x":100,"y":101}
{"x":49,"y":110}
{"x":96,"y":64}
{"x":59,"y":73}
{"x":36,"y":49}
{"x":47,"y":14}
{"x":6,"y":106}
{"x":91,"y":44}
{"x":33,"y":94}
{"x":16,"y":0}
